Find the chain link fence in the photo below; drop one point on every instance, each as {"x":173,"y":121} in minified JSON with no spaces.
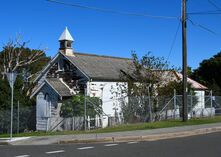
{"x":146,"y":109}
{"x":24,"y":120}
{"x":124,"y":111}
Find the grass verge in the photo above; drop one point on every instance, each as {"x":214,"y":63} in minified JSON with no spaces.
{"x":126,"y":127}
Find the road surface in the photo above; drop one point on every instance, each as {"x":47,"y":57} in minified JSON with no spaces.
{"x":208,"y":145}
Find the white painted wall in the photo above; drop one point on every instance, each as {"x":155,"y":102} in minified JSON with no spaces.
{"x":201,"y":109}
{"x":200,"y":95}
{"x":109,"y":93}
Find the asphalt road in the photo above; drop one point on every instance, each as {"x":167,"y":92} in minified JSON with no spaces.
{"x":208,"y":145}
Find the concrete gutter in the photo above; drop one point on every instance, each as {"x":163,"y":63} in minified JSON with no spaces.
{"x":8,"y":141}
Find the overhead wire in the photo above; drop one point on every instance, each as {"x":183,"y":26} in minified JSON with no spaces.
{"x":202,"y":27}
{"x":209,"y":12}
{"x":213,"y":12}
{"x":125,"y":13}
{"x":149,"y":16}
{"x":111,"y":11}
{"x":214,"y":4}
{"x":217,"y":12}
{"x":173,"y":41}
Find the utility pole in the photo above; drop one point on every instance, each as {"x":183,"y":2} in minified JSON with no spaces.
{"x":184,"y":54}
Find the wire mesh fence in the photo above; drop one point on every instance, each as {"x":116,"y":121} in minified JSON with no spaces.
{"x":146,"y":109}
{"x":24,"y":120}
{"x":122,"y":111}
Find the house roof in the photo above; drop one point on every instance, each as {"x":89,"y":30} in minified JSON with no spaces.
{"x":194,"y":84}
{"x":172,"y":75}
{"x":103,"y":68}
{"x":59,"y":87}
{"x":44,"y":70}
{"x":98,"y":67}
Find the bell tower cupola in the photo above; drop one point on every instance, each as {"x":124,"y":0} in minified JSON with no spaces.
{"x":66,"y":41}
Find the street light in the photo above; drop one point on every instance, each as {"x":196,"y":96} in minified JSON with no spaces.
{"x":11,"y":76}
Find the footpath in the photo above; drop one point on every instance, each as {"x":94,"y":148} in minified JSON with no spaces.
{"x":138,"y":135}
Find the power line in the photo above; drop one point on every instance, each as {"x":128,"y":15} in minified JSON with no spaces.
{"x":202,"y":27}
{"x":171,"y":47}
{"x":111,"y":11}
{"x":219,"y":3}
{"x":217,"y":12}
{"x":211,"y":12}
{"x":214,"y":4}
{"x":173,"y":42}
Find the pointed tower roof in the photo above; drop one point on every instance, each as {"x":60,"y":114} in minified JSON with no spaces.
{"x":66,"y":35}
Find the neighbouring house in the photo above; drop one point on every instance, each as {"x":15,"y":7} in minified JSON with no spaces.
{"x":70,"y":73}
{"x":199,"y":104}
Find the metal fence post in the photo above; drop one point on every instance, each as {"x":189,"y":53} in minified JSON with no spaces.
{"x":150,"y":111}
{"x":85,"y":109}
{"x":174,"y":103}
{"x":191,"y":104}
{"x":211,"y":102}
{"x":18,"y":118}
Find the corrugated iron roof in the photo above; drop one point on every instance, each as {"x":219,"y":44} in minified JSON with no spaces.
{"x":194,"y":84}
{"x":59,"y":87}
{"x":98,"y":67}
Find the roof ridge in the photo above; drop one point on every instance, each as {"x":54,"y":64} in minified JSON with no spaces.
{"x":105,"y":56}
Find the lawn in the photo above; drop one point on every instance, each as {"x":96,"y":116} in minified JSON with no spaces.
{"x":126,"y":127}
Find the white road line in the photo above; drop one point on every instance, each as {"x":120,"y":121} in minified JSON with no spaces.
{"x":132,"y":142}
{"x":83,"y":148}
{"x":53,"y":152}
{"x":109,"y":145}
{"x":22,"y":156}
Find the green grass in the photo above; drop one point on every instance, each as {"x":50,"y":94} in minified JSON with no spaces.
{"x":126,"y":127}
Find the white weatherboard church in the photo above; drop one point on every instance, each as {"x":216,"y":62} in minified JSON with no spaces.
{"x":69,"y":73}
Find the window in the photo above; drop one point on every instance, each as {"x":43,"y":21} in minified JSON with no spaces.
{"x":62,"y":44}
{"x":47,"y":105}
{"x":68,"y":43}
{"x":60,"y":65}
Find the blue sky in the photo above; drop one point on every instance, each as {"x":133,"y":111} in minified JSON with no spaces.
{"x":42,"y":22}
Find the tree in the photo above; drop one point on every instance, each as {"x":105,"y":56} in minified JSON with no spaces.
{"x":74,"y":107}
{"x":168,"y":89}
{"x":26,"y":62}
{"x":144,"y":74}
{"x":15,"y":56}
{"x":143,"y":78}
{"x":208,"y":73}
{"x":166,"y":93}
